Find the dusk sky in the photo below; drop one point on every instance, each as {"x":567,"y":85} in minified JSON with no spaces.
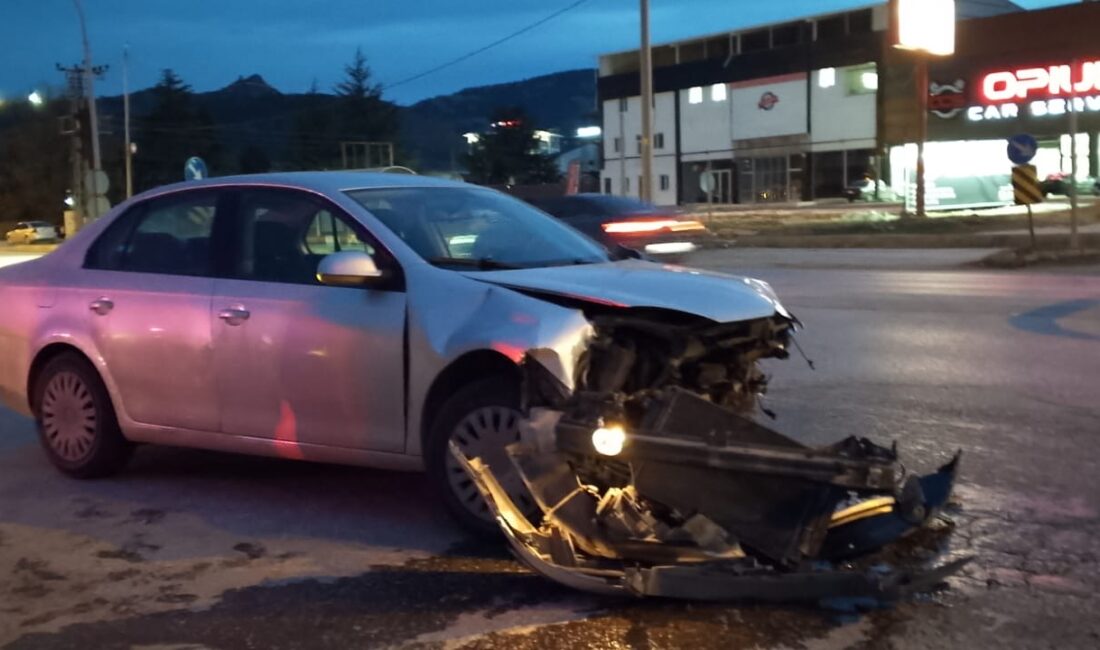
{"x":292,"y":42}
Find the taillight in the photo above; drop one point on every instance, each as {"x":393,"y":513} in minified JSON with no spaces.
{"x":643,"y":226}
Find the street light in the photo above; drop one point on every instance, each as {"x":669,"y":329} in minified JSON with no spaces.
{"x":926,"y":28}
{"x":36,"y":98}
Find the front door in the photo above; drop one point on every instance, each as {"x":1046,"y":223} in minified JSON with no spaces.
{"x":297,"y":361}
{"x":147,"y":287}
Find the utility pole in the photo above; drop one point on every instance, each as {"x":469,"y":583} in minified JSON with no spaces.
{"x":71,"y":126}
{"x":647,"y":108}
{"x":1074,"y":238}
{"x":128,"y":154}
{"x":90,"y":72}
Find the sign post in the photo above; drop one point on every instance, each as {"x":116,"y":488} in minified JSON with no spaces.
{"x":1025,"y":187}
{"x":707,"y":184}
{"x":1025,"y":178}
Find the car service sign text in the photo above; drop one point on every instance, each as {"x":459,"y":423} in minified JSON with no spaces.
{"x":1050,"y":91}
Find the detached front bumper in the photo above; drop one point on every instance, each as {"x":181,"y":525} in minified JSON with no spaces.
{"x":707,"y":505}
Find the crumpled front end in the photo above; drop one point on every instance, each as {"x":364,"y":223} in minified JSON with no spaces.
{"x":650,"y":480}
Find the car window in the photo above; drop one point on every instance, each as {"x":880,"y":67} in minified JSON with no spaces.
{"x":562,"y":208}
{"x":610,"y":205}
{"x":169,"y":235}
{"x":476,"y":228}
{"x":282,"y":236}
{"x":328,"y":234}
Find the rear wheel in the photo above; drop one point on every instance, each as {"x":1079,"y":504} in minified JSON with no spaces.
{"x":482,"y":418}
{"x":76,"y":421}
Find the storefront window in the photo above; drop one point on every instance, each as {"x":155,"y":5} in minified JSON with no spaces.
{"x":862,"y":80}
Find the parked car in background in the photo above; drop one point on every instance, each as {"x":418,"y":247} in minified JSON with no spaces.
{"x":864,"y":190}
{"x":1059,"y":184}
{"x":616,"y":221}
{"x":27,"y":232}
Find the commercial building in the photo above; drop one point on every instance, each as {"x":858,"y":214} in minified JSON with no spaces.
{"x":1017,"y":73}
{"x":798,"y":110}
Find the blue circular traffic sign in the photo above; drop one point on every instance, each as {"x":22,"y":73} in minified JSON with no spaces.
{"x":1022,"y":148}
{"x":194,"y":169}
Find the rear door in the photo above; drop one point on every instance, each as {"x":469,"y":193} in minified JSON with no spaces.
{"x":297,"y":361}
{"x":147,"y":287}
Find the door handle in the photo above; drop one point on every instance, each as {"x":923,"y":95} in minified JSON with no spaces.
{"x":234,"y":315}
{"x":102,"y":306}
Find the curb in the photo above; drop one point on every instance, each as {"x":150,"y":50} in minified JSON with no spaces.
{"x":29,"y":248}
{"x":1024,"y":257}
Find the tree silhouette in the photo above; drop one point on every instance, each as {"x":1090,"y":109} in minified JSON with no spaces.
{"x":363,"y":114}
{"x":173,"y":131}
{"x":508,"y":153}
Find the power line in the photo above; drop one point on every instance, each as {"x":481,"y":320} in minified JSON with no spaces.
{"x":484,"y":48}
{"x":420,"y":75}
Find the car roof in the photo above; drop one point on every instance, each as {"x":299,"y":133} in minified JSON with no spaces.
{"x":329,"y":182}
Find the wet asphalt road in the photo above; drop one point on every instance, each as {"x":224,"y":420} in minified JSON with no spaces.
{"x":192,"y":549}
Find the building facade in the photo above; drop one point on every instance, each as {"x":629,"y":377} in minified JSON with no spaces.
{"x":1016,"y":73}
{"x":798,"y":110}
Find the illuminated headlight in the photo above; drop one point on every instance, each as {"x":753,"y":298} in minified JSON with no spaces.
{"x":609,"y":440}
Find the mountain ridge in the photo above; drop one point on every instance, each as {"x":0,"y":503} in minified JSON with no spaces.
{"x":249,"y":112}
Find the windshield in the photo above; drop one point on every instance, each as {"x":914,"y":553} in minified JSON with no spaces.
{"x":477,"y":228}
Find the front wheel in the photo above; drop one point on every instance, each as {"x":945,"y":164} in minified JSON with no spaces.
{"x":482,"y":418}
{"x":76,"y":420}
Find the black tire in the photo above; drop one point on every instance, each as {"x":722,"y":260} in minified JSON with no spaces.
{"x":76,"y":421}
{"x":490,"y":394}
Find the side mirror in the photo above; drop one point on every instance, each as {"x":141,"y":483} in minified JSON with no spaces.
{"x":349,"y":269}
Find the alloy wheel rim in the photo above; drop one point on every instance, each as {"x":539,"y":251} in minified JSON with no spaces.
{"x":484,"y":433}
{"x":69,"y":417}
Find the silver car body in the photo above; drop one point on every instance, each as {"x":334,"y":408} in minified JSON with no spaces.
{"x":318,"y":373}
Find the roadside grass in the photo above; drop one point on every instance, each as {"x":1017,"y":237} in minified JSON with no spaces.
{"x":871,"y":222}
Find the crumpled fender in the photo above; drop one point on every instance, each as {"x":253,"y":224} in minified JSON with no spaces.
{"x":460,"y":316}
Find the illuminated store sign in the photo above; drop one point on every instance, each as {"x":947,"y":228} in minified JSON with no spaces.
{"x":1039,"y":92}
{"x":1035,"y":83}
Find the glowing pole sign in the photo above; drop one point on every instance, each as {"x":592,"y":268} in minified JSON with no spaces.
{"x":1053,"y":90}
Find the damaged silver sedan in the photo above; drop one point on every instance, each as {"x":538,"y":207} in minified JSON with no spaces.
{"x":590,"y":404}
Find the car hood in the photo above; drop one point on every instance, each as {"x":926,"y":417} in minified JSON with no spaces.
{"x":636,"y":283}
